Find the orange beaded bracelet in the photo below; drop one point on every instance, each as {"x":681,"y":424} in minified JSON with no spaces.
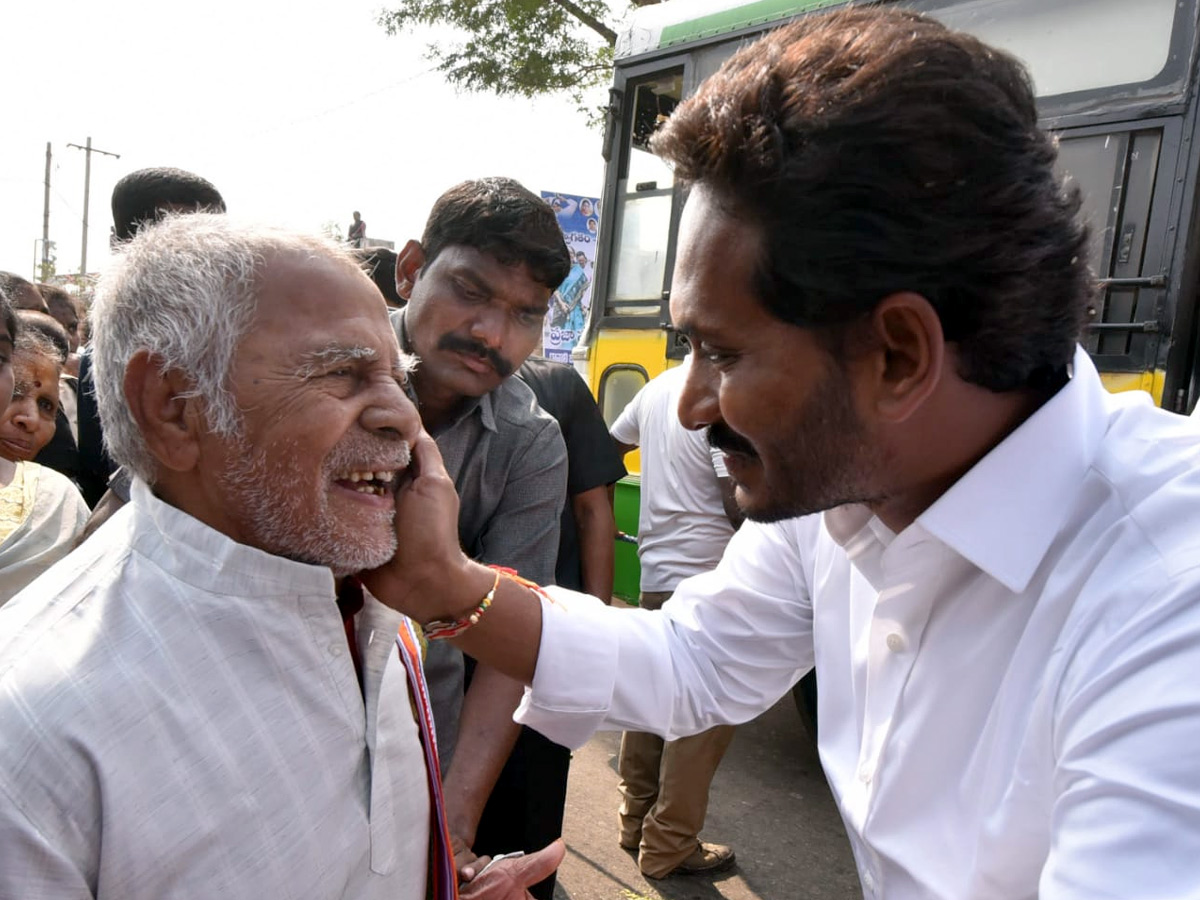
{"x":444,"y":629}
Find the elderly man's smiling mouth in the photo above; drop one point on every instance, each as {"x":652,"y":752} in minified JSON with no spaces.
{"x":380,"y":482}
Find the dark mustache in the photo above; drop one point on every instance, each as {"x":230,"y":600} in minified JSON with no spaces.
{"x":725,"y":439}
{"x":456,"y":344}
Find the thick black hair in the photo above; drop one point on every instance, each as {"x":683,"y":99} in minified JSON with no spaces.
{"x":380,"y":264}
{"x":142,"y":196}
{"x":500,"y":217}
{"x":876,"y":151}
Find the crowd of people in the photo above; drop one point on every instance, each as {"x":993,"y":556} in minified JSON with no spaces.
{"x":305,"y":602}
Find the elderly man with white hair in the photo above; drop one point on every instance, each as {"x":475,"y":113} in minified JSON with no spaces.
{"x":201,"y":701}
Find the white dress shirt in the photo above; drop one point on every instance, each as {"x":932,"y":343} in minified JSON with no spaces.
{"x":1009,"y":688}
{"x":180,"y":717}
{"x":682,"y":526}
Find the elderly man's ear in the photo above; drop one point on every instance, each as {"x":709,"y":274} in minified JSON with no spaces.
{"x":166,"y":410}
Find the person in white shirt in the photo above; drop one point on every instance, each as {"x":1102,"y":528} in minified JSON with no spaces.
{"x":992,"y":563}
{"x":683,"y":528}
{"x":200,"y":701}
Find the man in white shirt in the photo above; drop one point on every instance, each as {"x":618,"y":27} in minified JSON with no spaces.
{"x":683,"y":528}
{"x":200,"y":701}
{"x":992,"y":563}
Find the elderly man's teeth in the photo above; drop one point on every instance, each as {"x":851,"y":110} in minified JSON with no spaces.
{"x":372,"y":481}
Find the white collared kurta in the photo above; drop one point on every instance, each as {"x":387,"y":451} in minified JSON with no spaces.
{"x":180,"y":717}
{"x":1009,"y":688}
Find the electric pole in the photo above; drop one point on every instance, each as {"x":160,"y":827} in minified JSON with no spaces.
{"x":46,"y":220}
{"x":87,"y":189}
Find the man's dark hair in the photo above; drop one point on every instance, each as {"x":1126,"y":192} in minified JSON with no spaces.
{"x":877,"y":151}
{"x":20,"y":292}
{"x":50,"y":330}
{"x":142,"y":196}
{"x":59,"y":301}
{"x":380,"y":264}
{"x":8,"y":316}
{"x":499,"y":217}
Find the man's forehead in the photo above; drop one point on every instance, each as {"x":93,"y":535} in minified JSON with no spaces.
{"x":714,"y":277}
{"x":484,"y":265}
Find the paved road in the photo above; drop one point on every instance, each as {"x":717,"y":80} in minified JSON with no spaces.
{"x":769,"y":801}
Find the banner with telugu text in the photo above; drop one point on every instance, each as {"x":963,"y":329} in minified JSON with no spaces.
{"x":579,"y":218}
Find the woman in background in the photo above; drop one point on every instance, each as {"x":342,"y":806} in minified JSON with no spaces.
{"x":41,"y":511}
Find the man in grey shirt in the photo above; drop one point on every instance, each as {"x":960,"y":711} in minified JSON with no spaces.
{"x":478,"y":286}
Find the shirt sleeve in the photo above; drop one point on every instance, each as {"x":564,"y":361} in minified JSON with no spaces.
{"x":726,"y":646}
{"x":523,"y":533}
{"x":30,"y":866}
{"x":593,"y":456}
{"x":627,"y":427}
{"x":1125,"y":819}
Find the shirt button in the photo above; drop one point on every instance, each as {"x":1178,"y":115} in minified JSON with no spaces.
{"x":895,"y":643}
{"x":334,"y":648}
{"x":864,"y":775}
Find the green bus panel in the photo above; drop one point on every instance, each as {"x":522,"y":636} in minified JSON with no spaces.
{"x":627,"y":572}
{"x":755,"y":13}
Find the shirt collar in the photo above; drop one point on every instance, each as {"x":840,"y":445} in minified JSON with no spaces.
{"x":1003,"y":515}
{"x":487,"y":415}
{"x":211,"y":561}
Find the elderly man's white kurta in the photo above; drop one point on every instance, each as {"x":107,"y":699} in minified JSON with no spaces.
{"x":180,"y":717}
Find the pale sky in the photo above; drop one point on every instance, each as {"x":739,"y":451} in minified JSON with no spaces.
{"x":299,"y":112}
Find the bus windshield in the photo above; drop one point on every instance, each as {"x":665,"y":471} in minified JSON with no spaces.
{"x":1073,"y":45}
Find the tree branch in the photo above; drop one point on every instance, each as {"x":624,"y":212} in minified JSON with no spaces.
{"x":589,"y":20}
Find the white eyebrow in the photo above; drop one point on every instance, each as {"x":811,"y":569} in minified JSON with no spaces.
{"x":316,"y":361}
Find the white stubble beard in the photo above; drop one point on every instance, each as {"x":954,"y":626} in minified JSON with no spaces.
{"x":271,"y":498}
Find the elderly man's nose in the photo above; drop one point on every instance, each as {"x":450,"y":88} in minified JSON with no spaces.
{"x":391,"y":413}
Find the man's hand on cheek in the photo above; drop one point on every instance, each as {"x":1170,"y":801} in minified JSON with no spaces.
{"x":429,"y":577}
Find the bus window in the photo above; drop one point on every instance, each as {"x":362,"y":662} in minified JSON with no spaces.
{"x":1074,"y":45}
{"x":645,"y":192}
{"x":618,"y":385}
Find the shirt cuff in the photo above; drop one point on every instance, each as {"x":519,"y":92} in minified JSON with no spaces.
{"x":576,"y":669}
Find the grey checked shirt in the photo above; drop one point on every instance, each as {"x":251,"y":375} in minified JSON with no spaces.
{"x":509,"y":465}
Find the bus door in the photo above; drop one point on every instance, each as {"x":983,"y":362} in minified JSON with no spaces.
{"x":1126,"y":176}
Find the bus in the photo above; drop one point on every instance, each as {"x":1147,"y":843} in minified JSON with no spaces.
{"x":1116,"y":83}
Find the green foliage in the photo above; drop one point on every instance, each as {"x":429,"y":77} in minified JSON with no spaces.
{"x":516,"y":47}
{"x":47,"y":267}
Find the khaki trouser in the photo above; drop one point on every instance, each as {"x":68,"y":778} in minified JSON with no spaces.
{"x":664,"y":787}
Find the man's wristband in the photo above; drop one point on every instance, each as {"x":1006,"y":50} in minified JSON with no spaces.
{"x":444,"y":629}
